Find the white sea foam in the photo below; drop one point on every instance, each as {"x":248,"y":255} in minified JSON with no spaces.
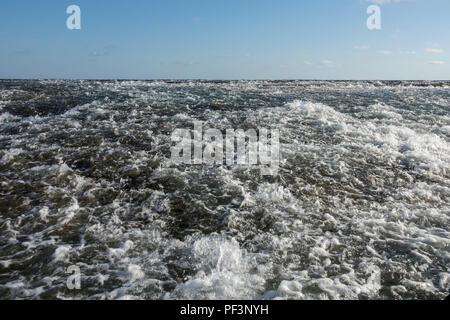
{"x":6,"y":117}
{"x":359,"y":209}
{"x":224,"y":272}
{"x":10,"y":154}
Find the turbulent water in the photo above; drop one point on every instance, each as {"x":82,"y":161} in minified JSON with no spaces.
{"x":359,"y":209}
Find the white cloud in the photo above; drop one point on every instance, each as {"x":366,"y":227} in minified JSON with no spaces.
{"x":434,"y":50}
{"x":327,"y":63}
{"x":437,"y":62}
{"x":386,"y":1}
{"x":361,"y":47}
{"x":331,"y":64}
{"x":385,"y":52}
{"x":98,"y":54}
{"x":408,"y":52}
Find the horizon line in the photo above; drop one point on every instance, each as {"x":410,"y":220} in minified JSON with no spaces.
{"x":215,"y":79}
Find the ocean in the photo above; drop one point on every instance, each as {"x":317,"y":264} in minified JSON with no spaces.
{"x":359,"y":207}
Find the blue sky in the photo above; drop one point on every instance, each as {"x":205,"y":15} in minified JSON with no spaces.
{"x":232,"y":39}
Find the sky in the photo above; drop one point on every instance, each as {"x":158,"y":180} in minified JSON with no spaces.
{"x":232,"y":39}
